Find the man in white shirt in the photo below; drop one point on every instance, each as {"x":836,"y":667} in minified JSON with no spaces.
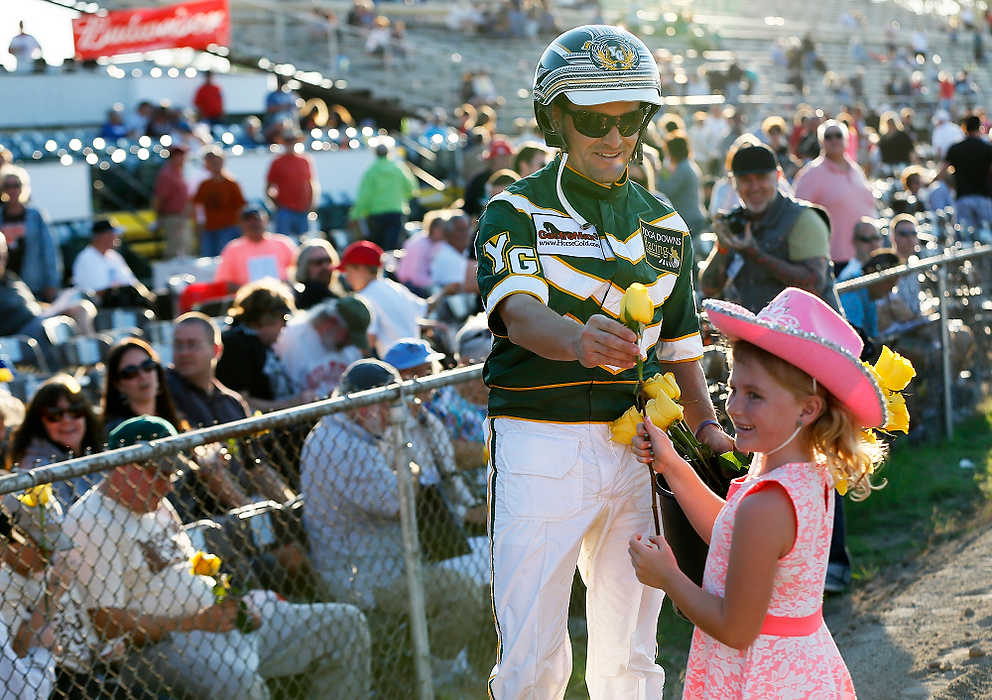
{"x":135,"y":573}
{"x":945,"y":133}
{"x":396,"y":311}
{"x":25,"y":48}
{"x":99,"y":266}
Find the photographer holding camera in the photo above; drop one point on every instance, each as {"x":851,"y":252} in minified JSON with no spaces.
{"x":770,"y":243}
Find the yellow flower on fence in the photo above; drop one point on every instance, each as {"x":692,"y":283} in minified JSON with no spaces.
{"x":636,"y":306}
{"x":662,"y":384}
{"x":624,"y":428}
{"x":36,"y":495}
{"x":203,"y":564}
{"x":663,"y":411}
{"x":893,"y":370}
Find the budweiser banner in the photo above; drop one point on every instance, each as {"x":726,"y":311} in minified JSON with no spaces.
{"x":194,"y":25}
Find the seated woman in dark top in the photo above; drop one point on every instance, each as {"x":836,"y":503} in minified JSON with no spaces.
{"x":59,"y":423}
{"x":249,"y":365}
{"x":316,"y":276}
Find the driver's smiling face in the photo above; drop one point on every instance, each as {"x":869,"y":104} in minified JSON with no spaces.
{"x":602,"y":159}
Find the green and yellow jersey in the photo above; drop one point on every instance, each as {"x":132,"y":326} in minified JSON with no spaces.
{"x":531,"y":242}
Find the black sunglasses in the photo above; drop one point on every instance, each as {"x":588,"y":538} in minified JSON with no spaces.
{"x":906,"y":232}
{"x":868,"y":239}
{"x":131,"y":371}
{"x":54,"y":415}
{"x":597,"y":125}
{"x":832,"y":135}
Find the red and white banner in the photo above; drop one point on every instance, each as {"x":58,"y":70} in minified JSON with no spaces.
{"x":194,"y":25}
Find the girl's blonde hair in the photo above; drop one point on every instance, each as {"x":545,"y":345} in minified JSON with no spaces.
{"x":839,"y":442}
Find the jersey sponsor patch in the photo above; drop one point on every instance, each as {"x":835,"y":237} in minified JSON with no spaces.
{"x":662,"y":247}
{"x":562,"y":235}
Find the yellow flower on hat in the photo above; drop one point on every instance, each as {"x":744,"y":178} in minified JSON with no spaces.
{"x":36,"y":495}
{"x":898,"y":413}
{"x":869,"y":437}
{"x":840,"y":483}
{"x":662,"y":384}
{"x":203,"y":564}
{"x":624,"y":428}
{"x":893,"y":370}
{"x":663,"y":411}
{"x":636,"y":306}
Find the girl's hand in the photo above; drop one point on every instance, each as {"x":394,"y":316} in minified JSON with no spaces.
{"x":652,"y":446}
{"x":653,"y":560}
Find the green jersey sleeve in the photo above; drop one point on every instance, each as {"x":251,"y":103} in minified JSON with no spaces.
{"x":809,"y":238}
{"x":508,"y":262}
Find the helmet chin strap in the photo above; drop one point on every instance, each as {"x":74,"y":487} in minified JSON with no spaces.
{"x":787,"y":441}
{"x":569,"y":209}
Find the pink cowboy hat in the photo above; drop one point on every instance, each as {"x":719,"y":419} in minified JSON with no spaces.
{"x":803,"y":330}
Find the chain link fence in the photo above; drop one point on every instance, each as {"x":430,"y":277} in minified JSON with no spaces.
{"x":358,"y":510}
{"x":349,"y":535}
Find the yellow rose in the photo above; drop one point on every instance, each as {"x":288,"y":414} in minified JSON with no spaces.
{"x":636,"y":306}
{"x":624,"y":428}
{"x":203,"y":564}
{"x":662,"y":384}
{"x":663,"y":411}
{"x":898,"y":413}
{"x":36,"y":495}
{"x":893,"y":370}
{"x":869,"y":437}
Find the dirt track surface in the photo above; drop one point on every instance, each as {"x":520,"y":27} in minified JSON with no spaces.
{"x":923,"y":629}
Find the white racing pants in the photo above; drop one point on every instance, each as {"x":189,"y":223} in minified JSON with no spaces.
{"x":562,"y":495}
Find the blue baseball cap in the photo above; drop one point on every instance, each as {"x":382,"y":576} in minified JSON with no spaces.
{"x":407,"y":353}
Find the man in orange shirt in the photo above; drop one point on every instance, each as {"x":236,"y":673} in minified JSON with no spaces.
{"x":256,"y":254}
{"x":293,"y":186}
{"x":218,"y":202}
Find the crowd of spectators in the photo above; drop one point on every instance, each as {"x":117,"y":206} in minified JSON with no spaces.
{"x":810,"y":198}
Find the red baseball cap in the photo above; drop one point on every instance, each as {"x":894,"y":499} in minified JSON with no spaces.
{"x":498,"y":147}
{"x":361,"y":253}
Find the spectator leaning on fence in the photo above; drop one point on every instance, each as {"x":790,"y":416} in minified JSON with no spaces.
{"x":317,"y":277}
{"x":135,"y":572}
{"x":858,"y":304}
{"x":218,"y":202}
{"x":32,"y":251}
{"x":352,"y":519}
{"x":396,"y":311}
{"x":383,"y":199}
{"x":257,"y":254}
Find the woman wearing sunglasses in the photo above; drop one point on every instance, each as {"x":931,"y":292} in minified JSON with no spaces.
{"x":59,"y":423}
{"x":556,"y":251}
{"x":135,"y":385}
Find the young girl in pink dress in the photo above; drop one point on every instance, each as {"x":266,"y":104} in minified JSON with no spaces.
{"x":799,"y":400}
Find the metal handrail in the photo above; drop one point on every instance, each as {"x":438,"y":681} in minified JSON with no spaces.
{"x":921,"y":264}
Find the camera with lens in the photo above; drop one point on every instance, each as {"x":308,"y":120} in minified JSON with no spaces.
{"x":736,"y":220}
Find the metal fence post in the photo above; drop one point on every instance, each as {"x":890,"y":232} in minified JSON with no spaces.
{"x":398,"y":416}
{"x":945,"y":352}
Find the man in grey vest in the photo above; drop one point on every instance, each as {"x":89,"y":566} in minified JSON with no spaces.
{"x":772,"y":242}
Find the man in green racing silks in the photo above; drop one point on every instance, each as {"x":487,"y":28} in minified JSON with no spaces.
{"x":556,"y":251}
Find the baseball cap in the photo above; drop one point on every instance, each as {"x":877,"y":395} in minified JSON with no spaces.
{"x":498,"y":147}
{"x":406,"y":353}
{"x":361,"y":253}
{"x":252,"y":210}
{"x":354,"y":312}
{"x":362,"y":375}
{"x":142,"y":429}
{"x":105,"y":226}
{"x":758,"y":158}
